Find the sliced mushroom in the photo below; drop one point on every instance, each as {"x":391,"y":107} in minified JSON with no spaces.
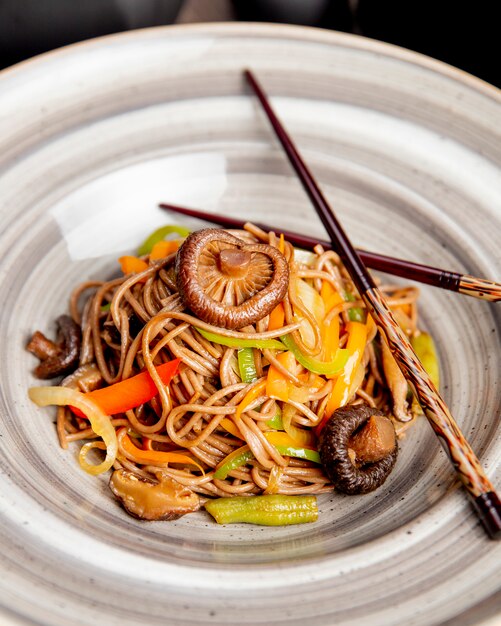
{"x":86,"y":378}
{"x":144,"y":499}
{"x":229,"y":282}
{"x":61,"y":357}
{"x":396,"y":383}
{"x":349,"y":429}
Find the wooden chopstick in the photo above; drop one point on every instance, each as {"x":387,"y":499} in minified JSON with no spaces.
{"x":485,"y":500}
{"x":427,"y":274}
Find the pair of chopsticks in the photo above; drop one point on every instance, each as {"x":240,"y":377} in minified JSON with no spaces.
{"x":484,"y":498}
{"x":426,"y":274}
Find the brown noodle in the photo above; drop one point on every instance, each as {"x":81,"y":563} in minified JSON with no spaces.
{"x":137,"y":321}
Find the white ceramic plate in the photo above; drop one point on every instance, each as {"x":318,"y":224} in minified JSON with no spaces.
{"x":408,"y":150}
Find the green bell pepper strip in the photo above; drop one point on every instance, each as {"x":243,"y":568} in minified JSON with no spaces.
{"x":356,"y":313}
{"x":268,"y":510}
{"x":236,"y":342}
{"x":246,"y":455}
{"x":299,"y":453}
{"x":424,"y":347}
{"x":237,"y":461}
{"x":159,"y":235}
{"x":276,"y":421}
{"x":246,"y":365}
{"x":314,"y":365}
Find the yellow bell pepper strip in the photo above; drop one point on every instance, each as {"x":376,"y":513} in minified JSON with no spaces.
{"x":236,"y":342}
{"x":315,"y":365}
{"x":155,"y":457}
{"x":286,"y":445}
{"x":246,"y":365}
{"x":162,"y":249}
{"x":330,"y":329}
{"x":267,"y":510}
{"x":277,"y":385}
{"x":357,"y":337}
{"x":424,"y":346}
{"x":231,"y":427}
{"x":255,"y":392}
{"x":235,"y":459}
{"x":330,"y":296}
{"x":132,"y":265}
{"x":99,"y":421}
{"x":131,"y":392}
{"x":160,"y":234}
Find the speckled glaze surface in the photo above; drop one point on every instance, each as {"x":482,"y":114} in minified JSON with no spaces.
{"x":408,"y":150}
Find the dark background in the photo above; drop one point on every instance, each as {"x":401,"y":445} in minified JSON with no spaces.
{"x":465,"y":34}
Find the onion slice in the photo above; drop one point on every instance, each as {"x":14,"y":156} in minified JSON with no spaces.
{"x":100,"y":423}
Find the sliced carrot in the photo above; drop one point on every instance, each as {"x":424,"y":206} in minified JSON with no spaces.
{"x":154,"y":457}
{"x":131,"y":392}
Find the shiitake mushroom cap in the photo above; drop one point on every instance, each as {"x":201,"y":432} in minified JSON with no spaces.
{"x":60,"y":358}
{"x":333,"y":447}
{"x":228,"y":282}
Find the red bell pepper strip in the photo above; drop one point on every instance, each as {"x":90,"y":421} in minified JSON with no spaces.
{"x":131,"y":392}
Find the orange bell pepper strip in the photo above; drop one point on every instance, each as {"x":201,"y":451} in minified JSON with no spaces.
{"x":254,"y":393}
{"x":231,"y":427}
{"x":155,"y":457}
{"x":132,"y":264}
{"x":330,"y":330}
{"x":277,"y":317}
{"x":131,"y":392}
{"x":277,"y":385}
{"x":162,"y":249}
{"x":357,"y":337}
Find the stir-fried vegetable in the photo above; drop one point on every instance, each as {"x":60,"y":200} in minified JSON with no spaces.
{"x":396,"y":382}
{"x":131,"y":392}
{"x":283,"y":442}
{"x":355,"y":313}
{"x":426,"y":351}
{"x":268,"y":510}
{"x":159,"y":235}
{"x":234,"y":460}
{"x":276,"y":421}
{"x":287,"y":446}
{"x":278,"y":386}
{"x":315,"y":365}
{"x":246,"y":365}
{"x":99,"y":421}
{"x":299,"y":435}
{"x":357,"y":336}
{"x":251,"y":395}
{"x":154,"y":457}
{"x":162,"y":249}
{"x":237,"y":342}
{"x":132,"y":265}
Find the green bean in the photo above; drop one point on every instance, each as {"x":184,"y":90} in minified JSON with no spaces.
{"x":269,"y":510}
